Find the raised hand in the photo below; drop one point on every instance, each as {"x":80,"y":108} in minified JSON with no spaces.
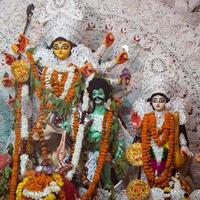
{"x":121,"y":58}
{"x":136,"y":120}
{"x":109,"y":39}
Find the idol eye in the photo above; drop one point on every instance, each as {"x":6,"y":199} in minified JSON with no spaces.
{"x":65,"y":47}
{"x":154,"y":101}
{"x":162,"y":101}
{"x":55,"y":47}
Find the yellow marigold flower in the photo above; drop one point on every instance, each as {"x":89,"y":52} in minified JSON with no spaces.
{"x":58,"y":179}
{"x":50,"y":197}
{"x":20,"y":188}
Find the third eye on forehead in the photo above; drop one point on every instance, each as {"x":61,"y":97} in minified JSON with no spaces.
{"x":158,"y":100}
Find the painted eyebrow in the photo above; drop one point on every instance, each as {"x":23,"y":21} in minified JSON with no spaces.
{"x":65,"y":45}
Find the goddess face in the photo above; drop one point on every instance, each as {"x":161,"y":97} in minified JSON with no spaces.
{"x":158,"y":103}
{"x":98,"y":96}
{"x":61,"y":49}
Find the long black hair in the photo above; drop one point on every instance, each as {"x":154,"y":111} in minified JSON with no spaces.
{"x":99,"y":83}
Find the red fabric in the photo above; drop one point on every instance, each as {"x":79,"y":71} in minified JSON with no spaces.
{"x":136,"y":120}
{"x":70,"y":191}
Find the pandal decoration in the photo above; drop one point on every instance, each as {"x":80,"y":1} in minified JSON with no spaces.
{"x":138,"y":189}
{"x":40,"y":186}
{"x":104,"y":147}
{"x":149,"y":131}
{"x":134,"y":154}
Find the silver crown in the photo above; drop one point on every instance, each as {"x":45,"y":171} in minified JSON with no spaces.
{"x":62,"y":19}
{"x":159,"y":76}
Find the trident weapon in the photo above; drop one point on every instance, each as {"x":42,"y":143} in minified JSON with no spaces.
{"x":29,"y":13}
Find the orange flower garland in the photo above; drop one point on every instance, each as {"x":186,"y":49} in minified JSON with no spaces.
{"x":35,"y":72}
{"x":58,"y":86}
{"x":104,"y":147}
{"x":43,"y":83}
{"x":69,"y":97}
{"x":15,"y":168}
{"x":168,"y":134}
{"x":75,"y":126}
{"x":37,"y":183}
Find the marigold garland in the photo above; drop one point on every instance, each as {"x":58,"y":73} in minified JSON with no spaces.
{"x":168,"y":134}
{"x":75,"y":126}
{"x":56,"y":84}
{"x":34,"y":70}
{"x":43,"y":82}
{"x":69,"y":97}
{"x":104,"y":147}
{"x":15,"y":167}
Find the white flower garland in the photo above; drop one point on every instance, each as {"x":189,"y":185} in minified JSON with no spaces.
{"x":24,"y":127}
{"x":60,"y":68}
{"x":85,"y":104}
{"x":23,"y":163}
{"x":24,"y":118}
{"x":77,"y":151}
{"x":52,"y":188}
{"x":80,"y":134}
{"x":68,"y":83}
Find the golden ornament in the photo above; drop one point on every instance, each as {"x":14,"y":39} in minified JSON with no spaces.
{"x":134,"y":154}
{"x":138,"y":190}
{"x":20,"y":70}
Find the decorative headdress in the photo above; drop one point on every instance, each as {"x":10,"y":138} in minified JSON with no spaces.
{"x":63,"y":19}
{"x":160,"y":76}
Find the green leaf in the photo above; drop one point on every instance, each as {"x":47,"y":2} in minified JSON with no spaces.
{"x":37,"y":83}
{"x":18,"y":103}
{"x":31,"y":50}
{"x":7,"y":172}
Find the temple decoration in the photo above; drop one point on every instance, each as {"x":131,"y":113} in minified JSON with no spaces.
{"x":138,"y":189}
{"x":75,"y":141}
{"x":134,"y":154}
{"x":163,"y":136}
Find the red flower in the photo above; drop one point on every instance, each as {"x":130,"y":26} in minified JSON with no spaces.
{"x":23,"y":42}
{"x":109,"y":39}
{"x":9,"y":58}
{"x":7,"y":81}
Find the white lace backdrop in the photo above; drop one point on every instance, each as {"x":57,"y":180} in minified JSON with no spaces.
{"x":170,"y":27}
